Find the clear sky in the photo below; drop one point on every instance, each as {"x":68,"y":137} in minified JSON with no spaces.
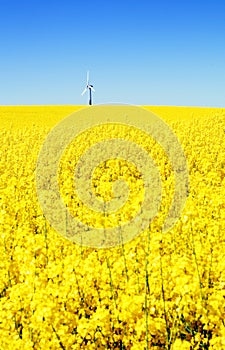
{"x":139,"y":52}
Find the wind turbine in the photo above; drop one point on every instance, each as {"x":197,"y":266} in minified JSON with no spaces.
{"x":90,"y":88}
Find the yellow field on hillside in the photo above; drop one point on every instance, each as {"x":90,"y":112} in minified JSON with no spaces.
{"x":159,"y":291}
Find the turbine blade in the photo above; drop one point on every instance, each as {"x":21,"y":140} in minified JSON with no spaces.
{"x":92,"y":89}
{"x":88,"y":77}
{"x":84,"y":91}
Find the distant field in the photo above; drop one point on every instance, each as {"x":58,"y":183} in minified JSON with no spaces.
{"x":50,"y":115}
{"x":159,"y":291}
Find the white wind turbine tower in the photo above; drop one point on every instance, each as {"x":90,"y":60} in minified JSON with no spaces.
{"x":89,"y":88}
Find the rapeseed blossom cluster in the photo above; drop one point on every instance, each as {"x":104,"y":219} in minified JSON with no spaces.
{"x":159,"y":291}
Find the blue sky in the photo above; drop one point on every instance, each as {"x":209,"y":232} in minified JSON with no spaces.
{"x":137,"y":52}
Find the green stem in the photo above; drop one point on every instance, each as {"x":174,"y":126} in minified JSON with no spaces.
{"x":46,"y":242}
{"x":58,"y":337}
{"x":111,"y":282}
{"x":147,"y":289}
{"x":124,"y":257}
{"x":197,"y":267}
{"x":164,"y":305}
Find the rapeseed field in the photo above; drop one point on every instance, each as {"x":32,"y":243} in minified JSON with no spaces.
{"x":158,"y":291}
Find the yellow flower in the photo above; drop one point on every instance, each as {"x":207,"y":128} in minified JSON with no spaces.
{"x":55,"y":294}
